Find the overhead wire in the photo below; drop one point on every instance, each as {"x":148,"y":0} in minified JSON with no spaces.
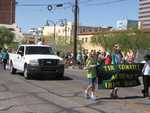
{"x":89,"y":2}
{"x":35,"y":4}
{"x":92,"y":3}
{"x":67,"y":5}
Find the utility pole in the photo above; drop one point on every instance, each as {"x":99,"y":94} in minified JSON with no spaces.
{"x":65,"y":30}
{"x":75,"y":29}
{"x":54,"y":31}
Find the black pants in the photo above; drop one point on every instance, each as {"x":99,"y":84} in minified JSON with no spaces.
{"x":4,"y":62}
{"x":146,"y":82}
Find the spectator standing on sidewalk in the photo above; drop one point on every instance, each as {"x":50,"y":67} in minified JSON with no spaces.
{"x":108,"y":57}
{"x":79,"y":59}
{"x":85,"y":56}
{"x":5,"y":57}
{"x":91,"y":75}
{"x":0,"y":55}
{"x":146,"y":76}
{"x":130,"y":57}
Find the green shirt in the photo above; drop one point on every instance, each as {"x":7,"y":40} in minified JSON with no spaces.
{"x":91,"y":72}
{"x":5,"y":55}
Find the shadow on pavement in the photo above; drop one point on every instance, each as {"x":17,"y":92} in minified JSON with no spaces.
{"x":46,"y":77}
{"x":51,"y":78}
{"x":128,"y":97}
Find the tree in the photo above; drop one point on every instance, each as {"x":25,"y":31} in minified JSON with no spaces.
{"x":131,"y":39}
{"x":59,"y":43}
{"x":141,"y":39}
{"x":6,"y":36}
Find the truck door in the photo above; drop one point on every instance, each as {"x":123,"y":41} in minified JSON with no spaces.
{"x":20,"y":58}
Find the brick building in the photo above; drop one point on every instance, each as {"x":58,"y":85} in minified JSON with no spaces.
{"x":7,"y":11}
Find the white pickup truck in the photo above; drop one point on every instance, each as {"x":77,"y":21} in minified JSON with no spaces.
{"x":35,"y":60}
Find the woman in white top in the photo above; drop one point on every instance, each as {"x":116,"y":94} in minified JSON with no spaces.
{"x":146,"y":78}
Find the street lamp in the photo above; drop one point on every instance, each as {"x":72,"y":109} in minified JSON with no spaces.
{"x":54,"y":24}
{"x":64,"y":23}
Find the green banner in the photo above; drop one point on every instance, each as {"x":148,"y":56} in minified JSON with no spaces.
{"x":123,"y":75}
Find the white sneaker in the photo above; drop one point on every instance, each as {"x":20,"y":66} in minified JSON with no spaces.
{"x":93,"y":97}
{"x":147,"y":97}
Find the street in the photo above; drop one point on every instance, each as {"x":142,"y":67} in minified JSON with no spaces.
{"x":18,"y":95}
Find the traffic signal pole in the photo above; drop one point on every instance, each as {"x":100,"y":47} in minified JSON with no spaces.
{"x":75,"y":34}
{"x":75,"y":29}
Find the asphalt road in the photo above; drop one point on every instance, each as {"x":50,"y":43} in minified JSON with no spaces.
{"x":18,"y":95}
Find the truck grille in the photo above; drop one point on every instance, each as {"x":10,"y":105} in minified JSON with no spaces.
{"x":48,"y":62}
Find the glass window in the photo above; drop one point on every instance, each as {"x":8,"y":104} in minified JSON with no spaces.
{"x":39,"y":50}
{"x":82,"y":40}
{"x":86,"y":39}
{"x":20,"y":50}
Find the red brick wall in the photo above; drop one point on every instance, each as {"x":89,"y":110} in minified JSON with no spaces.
{"x":7,"y":11}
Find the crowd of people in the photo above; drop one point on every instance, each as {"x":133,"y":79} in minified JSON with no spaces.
{"x":115,"y":57}
{"x":102,"y":56}
{"x":89,"y":60}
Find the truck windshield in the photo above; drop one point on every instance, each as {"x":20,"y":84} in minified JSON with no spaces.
{"x":39,"y":50}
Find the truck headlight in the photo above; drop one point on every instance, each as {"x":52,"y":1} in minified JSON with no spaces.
{"x":34,"y":62}
{"x":61,"y":61}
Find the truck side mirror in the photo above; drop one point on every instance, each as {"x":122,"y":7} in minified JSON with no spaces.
{"x":20,"y":53}
{"x":58,"y":53}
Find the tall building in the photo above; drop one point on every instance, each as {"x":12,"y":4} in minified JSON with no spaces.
{"x":144,"y":14}
{"x":7,"y":11}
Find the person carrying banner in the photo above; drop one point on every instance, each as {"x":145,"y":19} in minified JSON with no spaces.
{"x":146,"y":76}
{"x":91,"y":75}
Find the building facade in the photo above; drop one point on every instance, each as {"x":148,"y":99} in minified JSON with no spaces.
{"x":67,"y":31}
{"x":92,"y":29}
{"x":126,"y":24}
{"x":7,"y":11}
{"x":29,"y":38}
{"x":86,"y":38}
{"x":144,"y":14}
{"x":58,"y":31}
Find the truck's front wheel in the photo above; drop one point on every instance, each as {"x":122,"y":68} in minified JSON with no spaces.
{"x":26,"y":73}
{"x":61,"y":75}
{"x":12,"y":69}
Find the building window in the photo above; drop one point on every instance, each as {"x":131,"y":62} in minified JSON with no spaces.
{"x":82,"y":40}
{"x":86,"y":39}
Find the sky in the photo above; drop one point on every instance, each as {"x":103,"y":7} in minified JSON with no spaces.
{"x":92,"y":12}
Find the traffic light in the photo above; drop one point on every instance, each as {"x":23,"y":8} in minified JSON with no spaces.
{"x":59,"y":5}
